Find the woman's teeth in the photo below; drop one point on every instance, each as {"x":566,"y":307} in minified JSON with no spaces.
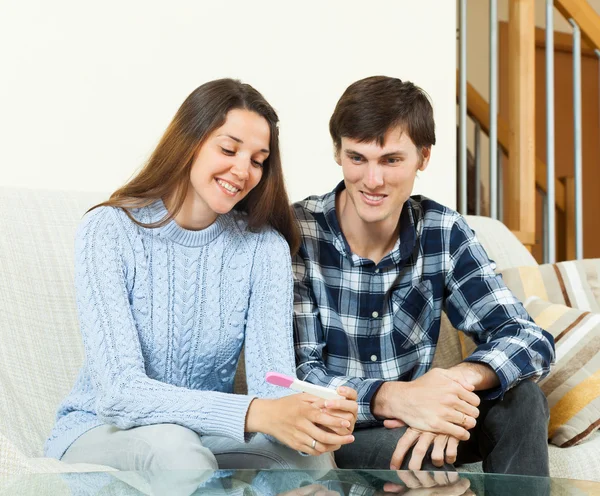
{"x":227,"y":186}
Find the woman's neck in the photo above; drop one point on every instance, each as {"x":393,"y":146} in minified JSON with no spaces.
{"x":194,"y":214}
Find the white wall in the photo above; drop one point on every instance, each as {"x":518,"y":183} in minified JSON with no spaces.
{"x":87,"y":88}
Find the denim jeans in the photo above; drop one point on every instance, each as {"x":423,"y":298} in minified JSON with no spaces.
{"x":511,"y":437}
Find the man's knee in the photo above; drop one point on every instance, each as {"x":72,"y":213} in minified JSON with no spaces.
{"x":372,"y":448}
{"x":522,"y":415}
{"x":526,"y":401}
{"x":171,"y":446}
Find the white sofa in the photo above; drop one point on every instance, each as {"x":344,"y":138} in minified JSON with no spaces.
{"x":41,"y":350}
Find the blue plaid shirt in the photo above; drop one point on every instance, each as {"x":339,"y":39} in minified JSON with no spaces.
{"x":359,"y":324}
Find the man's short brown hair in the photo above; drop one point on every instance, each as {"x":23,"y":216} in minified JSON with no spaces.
{"x":369,"y":108}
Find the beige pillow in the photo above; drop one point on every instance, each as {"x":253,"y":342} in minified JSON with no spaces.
{"x":573,"y":385}
{"x":564,"y":299}
{"x":575,"y":284}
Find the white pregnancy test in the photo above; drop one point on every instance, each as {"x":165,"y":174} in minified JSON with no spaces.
{"x":304,"y":387}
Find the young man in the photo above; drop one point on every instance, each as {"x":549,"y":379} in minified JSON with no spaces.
{"x":375,"y":271}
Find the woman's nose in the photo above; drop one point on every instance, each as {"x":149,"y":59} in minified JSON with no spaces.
{"x":241,"y":168}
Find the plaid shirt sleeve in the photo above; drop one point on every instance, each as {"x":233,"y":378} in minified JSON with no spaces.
{"x":309,"y":341}
{"x":478,"y":303}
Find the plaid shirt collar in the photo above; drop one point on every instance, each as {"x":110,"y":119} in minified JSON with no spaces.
{"x":402,"y":250}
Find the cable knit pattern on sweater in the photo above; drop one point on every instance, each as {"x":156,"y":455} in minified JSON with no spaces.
{"x":164,"y":314}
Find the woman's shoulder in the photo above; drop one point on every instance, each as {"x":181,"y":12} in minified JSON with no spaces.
{"x":264,"y":243}
{"x":99,"y":217}
{"x":129,"y":218}
{"x":102,"y":217}
{"x":237,"y":225}
{"x":107,"y":222}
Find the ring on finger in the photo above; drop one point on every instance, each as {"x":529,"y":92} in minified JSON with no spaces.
{"x":314,"y":444}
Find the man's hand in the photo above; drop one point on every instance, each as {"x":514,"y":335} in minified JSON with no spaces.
{"x":421,"y":483}
{"x":444,"y":449}
{"x":435,"y":402}
{"x":479,"y":375}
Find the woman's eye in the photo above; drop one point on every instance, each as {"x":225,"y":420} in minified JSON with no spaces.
{"x":227,"y":152}
{"x":256,"y":163}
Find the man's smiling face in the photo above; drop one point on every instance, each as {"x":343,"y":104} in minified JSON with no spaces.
{"x":379,"y":179}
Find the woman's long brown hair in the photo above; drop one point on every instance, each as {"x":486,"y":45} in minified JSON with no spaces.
{"x":167,"y":172}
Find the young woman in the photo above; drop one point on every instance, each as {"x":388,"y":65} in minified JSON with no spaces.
{"x":180,"y":268}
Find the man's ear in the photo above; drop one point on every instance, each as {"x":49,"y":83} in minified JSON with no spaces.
{"x":337,"y":157}
{"x":426,"y":154}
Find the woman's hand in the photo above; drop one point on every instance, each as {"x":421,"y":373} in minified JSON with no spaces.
{"x":346,"y":409}
{"x":310,"y":490}
{"x":296,"y":422}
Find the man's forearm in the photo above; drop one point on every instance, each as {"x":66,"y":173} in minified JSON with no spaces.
{"x":380,"y":402}
{"x":480,"y":375}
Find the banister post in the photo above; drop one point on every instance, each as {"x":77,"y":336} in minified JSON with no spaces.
{"x":520,"y":188}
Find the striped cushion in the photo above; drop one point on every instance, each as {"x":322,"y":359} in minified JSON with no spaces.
{"x":575,"y":284}
{"x":564,"y":299}
{"x":573,"y":385}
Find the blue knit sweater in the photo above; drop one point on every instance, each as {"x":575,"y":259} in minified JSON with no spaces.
{"x":164,"y":314}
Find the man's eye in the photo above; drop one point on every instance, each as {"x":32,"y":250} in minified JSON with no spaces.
{"x":227,"y":152}
{"x":393,"y":160}
{"x":356,"y":158}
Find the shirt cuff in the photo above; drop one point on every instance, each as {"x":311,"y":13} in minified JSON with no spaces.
{"x":508,"y":373}
{"x":365,"y":392}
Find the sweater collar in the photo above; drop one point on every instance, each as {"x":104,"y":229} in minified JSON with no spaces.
{"x":186,"y":237}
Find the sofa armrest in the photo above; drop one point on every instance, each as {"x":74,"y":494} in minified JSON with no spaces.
{"x":501,"y":245}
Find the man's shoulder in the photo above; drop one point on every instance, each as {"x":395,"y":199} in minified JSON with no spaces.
{"x":312,"y":206}
{"x":432,"y":219}
{"x":311,"y":214}
{"x":431,"y":214}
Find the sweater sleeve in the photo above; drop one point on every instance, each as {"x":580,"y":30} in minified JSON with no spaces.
{"x":269,"y":340}
{"x":125,"y":396}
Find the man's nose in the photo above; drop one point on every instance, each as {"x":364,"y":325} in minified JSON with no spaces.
{"x":374,"y":177}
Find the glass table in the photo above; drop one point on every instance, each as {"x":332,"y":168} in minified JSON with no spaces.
{"x":290,"y":483}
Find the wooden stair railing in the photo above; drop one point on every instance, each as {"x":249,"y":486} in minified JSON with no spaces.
{"x":563,"y":42}
{"x":479,"y":110}
{"x":589,"y":23}
{"x":586,"y":18}
{"x":517,"y":133}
